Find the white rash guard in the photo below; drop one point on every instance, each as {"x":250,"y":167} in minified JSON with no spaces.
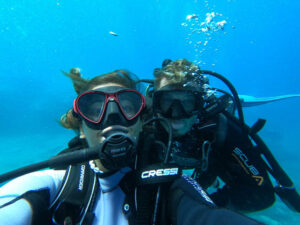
{"x":108,"y":207}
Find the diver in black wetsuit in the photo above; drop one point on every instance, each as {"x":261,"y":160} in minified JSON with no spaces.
{"x":118,"y":186}
{"x":210,"y":139}
{"x":247,"y":184}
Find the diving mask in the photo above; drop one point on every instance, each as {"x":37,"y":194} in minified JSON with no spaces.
{"x":102,"y":108}
{"x":177,"y":104}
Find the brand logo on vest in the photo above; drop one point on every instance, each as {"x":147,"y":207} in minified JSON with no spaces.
{"x":159,"y":173}
{"x":81,"y":177}
{"x":244,"y":161}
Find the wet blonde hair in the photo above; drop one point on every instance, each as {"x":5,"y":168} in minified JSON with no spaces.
{"x":122,"y":77}
{"x":180,"y":71}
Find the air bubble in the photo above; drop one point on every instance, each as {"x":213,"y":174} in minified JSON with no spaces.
{"x":202,"y":30}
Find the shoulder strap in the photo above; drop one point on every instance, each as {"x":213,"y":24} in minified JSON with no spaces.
{"x":75,"y":196}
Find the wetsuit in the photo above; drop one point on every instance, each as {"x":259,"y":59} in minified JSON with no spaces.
{"x":231,"y":156}
{"x":185,"y":202}
{"x":184,"y":196}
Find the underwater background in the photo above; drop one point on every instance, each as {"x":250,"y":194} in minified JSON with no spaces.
{"x":254,"y":43}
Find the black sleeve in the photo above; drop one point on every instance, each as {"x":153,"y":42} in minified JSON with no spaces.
{"x":189,"y":205}
{"x":240,"y":166}
{"x":246,"y":198}
{"x":39,"y":202}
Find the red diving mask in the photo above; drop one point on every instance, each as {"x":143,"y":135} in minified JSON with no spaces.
{"x":93,"y":105}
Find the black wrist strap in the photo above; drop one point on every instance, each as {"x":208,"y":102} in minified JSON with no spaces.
{"x":39,"y":202}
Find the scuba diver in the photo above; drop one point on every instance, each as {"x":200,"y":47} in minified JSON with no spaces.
{"x":209,"y":138}
{"x":109,"y":181}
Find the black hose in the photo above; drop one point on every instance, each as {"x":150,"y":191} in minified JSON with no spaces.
{"x":168,"y":153}
{"x":21,"y":171}
{"x":232,"y":89}
{"x":75,"y":157}
{"x":166,"y":160}
{"x":277,"y":172}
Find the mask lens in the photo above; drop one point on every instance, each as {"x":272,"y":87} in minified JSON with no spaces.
{"x":187,"y":101}
{"x":186,"y":98}
{"x":131,"y":103}
{"x":166,"y":101}
{"x":91,"y":106}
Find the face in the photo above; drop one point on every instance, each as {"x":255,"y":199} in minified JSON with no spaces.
{"x":180,"y":126}
{"x":95,"y":136}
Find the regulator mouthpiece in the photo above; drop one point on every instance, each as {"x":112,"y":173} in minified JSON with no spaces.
{"x":118,"y":151}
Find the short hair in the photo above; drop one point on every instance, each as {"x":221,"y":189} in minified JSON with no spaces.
{"x":180,"y":71}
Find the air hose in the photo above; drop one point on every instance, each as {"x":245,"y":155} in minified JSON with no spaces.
{"x":75,"y":157}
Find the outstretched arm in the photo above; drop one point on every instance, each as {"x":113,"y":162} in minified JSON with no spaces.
{"x":26,"y":199}
{"x":17,"y":213}
{"x":190,"y":205}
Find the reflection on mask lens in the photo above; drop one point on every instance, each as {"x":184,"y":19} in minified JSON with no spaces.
{"x":91,"y":105}
{"x":130,"y":102}
{"x":186,"y":99}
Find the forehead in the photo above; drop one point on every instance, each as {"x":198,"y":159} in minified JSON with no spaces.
{"x":164,"y":82}
{"x":167,"y":84}
{"x":108,"y":87}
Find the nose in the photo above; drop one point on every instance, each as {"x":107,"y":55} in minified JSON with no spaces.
{"x":175,"y":113}
{"x":113,"y":115}
{"x":176,"y":110}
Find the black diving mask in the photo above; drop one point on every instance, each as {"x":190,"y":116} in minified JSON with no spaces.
{"x":177,"y":104}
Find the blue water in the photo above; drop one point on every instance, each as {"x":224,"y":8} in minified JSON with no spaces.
{"x":257,"y":50}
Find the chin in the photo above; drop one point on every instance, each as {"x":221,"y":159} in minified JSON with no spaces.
{"x":178,"y":133}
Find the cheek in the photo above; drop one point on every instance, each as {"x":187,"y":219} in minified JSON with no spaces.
{"x":188,"y":123}
{"x":92,"y":136}
{"x":191,"y":121}
{"x":135,"y":129}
